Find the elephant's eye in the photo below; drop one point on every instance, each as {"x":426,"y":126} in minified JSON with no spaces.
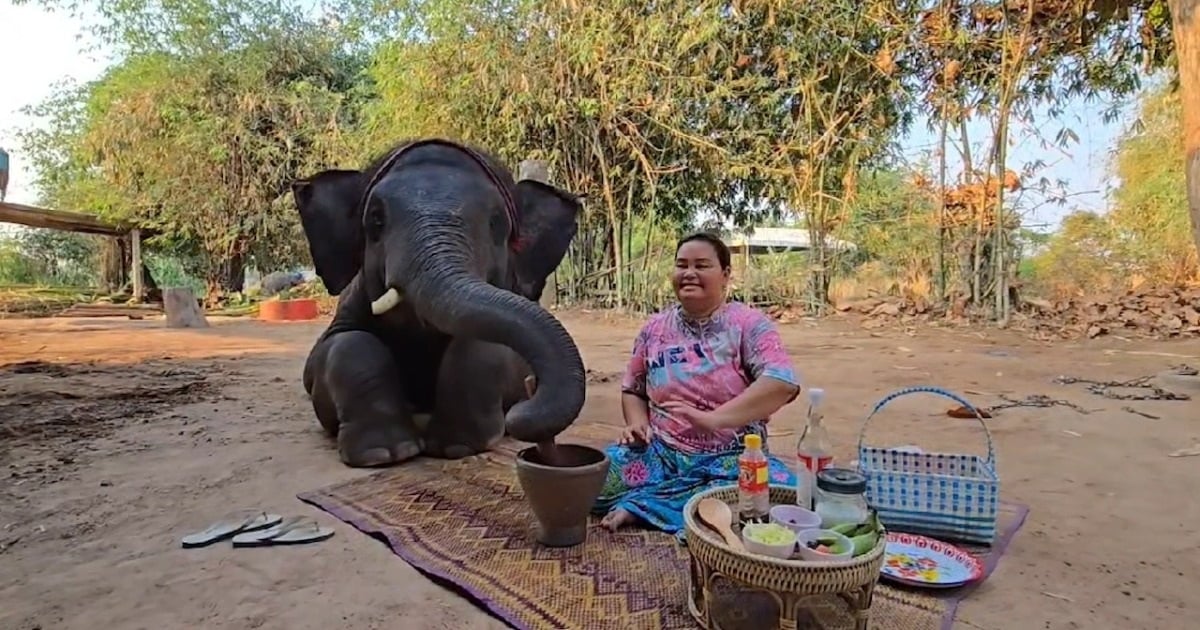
{"x":374,"y":222}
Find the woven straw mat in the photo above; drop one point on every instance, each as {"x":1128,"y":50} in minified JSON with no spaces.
{"x":466,"y":523}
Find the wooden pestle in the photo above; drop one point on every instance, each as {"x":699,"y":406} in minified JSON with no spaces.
{"x":547,"y":452}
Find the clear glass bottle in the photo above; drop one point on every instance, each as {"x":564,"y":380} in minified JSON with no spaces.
{"x":814,"y":450}
{"x":754,"y":492}
{"x":841,"y":497}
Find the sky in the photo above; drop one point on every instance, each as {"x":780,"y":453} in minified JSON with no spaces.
{"x":41,"y":48}
{"x":1083,"y":166}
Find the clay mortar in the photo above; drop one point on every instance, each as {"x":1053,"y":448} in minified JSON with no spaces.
{"x":561,"y":483}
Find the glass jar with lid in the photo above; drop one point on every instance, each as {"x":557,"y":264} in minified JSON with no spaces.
{"x":841,"y":497}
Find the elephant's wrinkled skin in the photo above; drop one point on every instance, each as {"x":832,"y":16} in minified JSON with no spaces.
{"x":467,"y":329}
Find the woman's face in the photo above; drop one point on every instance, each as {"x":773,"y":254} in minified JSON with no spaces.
{"x":699,"y":279}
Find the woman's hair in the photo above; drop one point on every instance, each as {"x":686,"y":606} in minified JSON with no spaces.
{"x":723,"y":256}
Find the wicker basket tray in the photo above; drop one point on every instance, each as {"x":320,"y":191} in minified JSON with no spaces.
{"x":788,"y":582}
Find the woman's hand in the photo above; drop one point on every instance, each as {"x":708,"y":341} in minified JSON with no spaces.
{"x":707,"y":420}
{"x":637,"y":434}
{"x":636,"y":411}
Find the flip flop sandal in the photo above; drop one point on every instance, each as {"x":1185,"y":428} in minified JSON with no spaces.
{"x":292,"y":531}
{"x":229,"y":525}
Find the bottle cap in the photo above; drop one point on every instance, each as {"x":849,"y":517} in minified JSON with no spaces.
{"x":842,"y":481}
{"x":752,"y":440}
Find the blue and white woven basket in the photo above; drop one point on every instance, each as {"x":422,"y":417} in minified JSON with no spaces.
{"x":953,"y":497}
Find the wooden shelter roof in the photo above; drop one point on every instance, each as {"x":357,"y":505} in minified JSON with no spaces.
{"x":58,"y":220}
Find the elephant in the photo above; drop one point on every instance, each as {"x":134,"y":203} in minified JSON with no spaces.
{"x":438,"y":258}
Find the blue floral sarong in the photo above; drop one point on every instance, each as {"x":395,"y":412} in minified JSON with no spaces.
{"x":655,"y":482}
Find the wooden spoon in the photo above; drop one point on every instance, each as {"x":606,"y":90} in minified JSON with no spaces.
{"x":717,"y":515}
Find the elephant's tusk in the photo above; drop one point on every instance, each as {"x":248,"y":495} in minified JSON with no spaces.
{"x":386,"y":302}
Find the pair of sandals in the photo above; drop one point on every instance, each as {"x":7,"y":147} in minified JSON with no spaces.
{"x":255,"y":528}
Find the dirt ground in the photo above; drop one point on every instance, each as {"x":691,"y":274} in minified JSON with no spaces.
{"x":118,"y":437}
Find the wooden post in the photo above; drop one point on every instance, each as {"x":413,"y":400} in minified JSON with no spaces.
{"x":182,"y":309}
{"x":539,"y":170}
{"x":139,"y":290}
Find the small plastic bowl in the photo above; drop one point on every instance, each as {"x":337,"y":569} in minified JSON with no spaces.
{"x":812,"y":554}
{"x":782,"y":551}
{"x":795,"y":518}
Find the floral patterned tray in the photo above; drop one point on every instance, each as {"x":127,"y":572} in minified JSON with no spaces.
{"x":920,"y":561}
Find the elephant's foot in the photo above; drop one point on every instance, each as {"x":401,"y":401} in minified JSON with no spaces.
{"x":359,"y":394}
{"x":469,"y":414}
{"x":435,"y":448}
{"x":319,"y":393}
{"x":362,"y":447}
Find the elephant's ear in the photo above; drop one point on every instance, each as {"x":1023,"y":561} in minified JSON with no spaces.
{"x":329,"y":213}
{"x":547,"y":227}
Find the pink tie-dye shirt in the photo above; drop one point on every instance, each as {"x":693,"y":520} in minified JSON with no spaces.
{"x":705,"y":365}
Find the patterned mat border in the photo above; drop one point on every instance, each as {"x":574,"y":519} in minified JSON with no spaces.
{"x":354,"y":515}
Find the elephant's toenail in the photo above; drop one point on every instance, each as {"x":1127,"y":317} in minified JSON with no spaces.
{"x":371,"y":457}
{"x":407,"y":450}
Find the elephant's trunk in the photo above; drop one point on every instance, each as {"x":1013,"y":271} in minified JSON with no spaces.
{"x":434,"y":274}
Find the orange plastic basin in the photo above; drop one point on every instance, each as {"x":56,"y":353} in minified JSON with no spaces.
{"x":287,"y":310}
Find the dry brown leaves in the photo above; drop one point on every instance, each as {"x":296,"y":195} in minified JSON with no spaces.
{"x":1142,"y":312}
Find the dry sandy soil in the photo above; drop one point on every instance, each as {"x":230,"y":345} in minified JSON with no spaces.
{"x":118,"y":437}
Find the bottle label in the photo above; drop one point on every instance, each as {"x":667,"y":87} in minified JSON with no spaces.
{"x":815,"y":464}
{"x":753,"y":476}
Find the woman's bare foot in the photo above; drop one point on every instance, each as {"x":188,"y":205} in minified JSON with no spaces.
{"x":616,"y":519}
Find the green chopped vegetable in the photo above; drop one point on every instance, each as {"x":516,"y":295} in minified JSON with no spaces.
{"x":770,"y":534}
{"x":864,"y":542}
{"x":845,"y":529}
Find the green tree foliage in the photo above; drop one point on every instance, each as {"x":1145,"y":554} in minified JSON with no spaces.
{"x":1145,"y":236}
{"x":665,"y":111}
{"x":48,"y":258}
{"x":197,"y":132}
{"x":1003,"y":59}
{"x":893,"y":221}
{"x":667,"y":115}
{"x":1150,"y":208}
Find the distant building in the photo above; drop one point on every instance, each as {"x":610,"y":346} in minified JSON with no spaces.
{"x":773,"y":240}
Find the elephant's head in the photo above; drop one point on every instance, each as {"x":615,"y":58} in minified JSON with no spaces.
{"x":432,"y":226}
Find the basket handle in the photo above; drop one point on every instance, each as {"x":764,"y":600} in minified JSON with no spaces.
{"x":926,"y":389}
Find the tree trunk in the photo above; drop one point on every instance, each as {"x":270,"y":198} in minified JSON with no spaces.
{"x":940,"y":259}
{"x":182,"y":309}
{"x":233,"y":275}
{"x":1185,"y":17}
{"x":113,"y":262}
{"x":229,"y":276}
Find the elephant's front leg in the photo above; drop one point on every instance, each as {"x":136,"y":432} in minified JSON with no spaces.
{"x":359,"y":396}
{"x":477,"y":381}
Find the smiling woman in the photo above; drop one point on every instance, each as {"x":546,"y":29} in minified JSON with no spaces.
{"x":703,"y":374}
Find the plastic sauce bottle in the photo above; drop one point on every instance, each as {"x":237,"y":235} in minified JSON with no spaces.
{"x":754,"y":498}
{"x":814,"y":451}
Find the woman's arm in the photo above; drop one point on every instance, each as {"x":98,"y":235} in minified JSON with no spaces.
{"x":635,"y":400}
{"x":635,"y":409}
{"x":767,"y":363}
{"x":763,"y":398}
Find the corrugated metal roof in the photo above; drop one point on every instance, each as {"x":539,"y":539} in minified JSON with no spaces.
{"x":782,"y":238}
